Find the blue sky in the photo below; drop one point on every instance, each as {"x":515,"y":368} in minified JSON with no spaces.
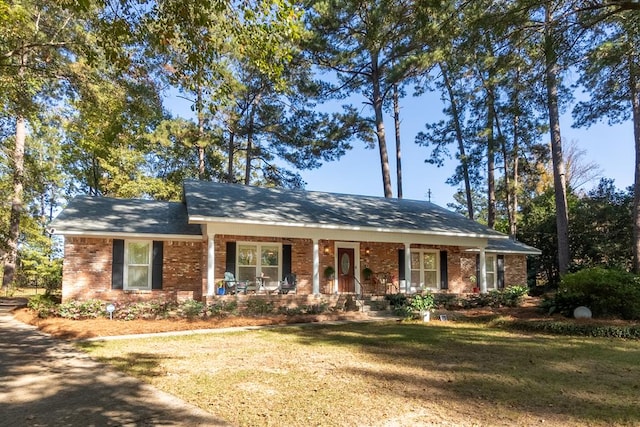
{"x":358,"y":172}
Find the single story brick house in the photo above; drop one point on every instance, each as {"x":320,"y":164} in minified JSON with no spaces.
{"x":132,"y":250}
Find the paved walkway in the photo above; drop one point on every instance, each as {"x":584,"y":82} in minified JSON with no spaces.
{"x":46,"y":382}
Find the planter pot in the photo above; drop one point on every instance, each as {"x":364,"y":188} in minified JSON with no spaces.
{"x":426,"y":316}
{"x":220,"y":291}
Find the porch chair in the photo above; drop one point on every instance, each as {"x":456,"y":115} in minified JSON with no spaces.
{"x":234,"y":286}
{"x":290,"y":283}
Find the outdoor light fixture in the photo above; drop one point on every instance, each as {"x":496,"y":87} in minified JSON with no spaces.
{"x":367,"y":251}
{"x":326,"y":249}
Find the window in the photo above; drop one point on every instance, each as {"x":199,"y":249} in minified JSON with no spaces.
{"x":490,"y":262}
{"x":424,"y":268}
{"x":259,"y":259}
{"x":137,"y":274}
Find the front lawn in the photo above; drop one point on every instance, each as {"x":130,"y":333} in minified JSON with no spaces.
{"x":400,"y":374}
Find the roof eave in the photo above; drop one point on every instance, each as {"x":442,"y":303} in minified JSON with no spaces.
{"x":127,"y":235}
{"x":199,"y":219}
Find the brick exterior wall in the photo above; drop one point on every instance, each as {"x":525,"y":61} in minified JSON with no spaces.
{"x":88,"y":264}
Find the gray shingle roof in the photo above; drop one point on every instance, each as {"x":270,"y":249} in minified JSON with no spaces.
{"x":506,"y":246}
{"x":95,"y":215}
{"x":208,"y":201}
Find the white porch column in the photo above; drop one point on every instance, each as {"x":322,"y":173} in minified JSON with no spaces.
{"x":316,"y":267}
{"x":407,"y":267}
{"x":211,"y":255}
{"x":483,"y":272}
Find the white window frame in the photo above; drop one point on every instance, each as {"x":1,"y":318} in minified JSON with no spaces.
{"x":258,"y":265}
{"x":491,"y":260}
{"x":149,"y":265}
{"x":422,"y":270}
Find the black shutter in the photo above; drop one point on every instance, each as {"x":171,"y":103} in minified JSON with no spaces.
{"x":401,"y":265}
{"x":444,"y":276}
{"x":117,"y":264}
{"x":500,"y":271}
{"x":230,"y":265}
{"x":477,"y":284}
{"x":286,"y":260}
{"x":156,"y":274}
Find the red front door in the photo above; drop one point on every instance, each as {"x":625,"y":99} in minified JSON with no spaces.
{"x":346,"y":280}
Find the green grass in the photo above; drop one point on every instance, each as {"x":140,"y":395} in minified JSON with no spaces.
{"x":391,"y":374}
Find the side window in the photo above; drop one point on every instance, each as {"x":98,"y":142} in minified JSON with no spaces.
{"x":137,"y":265}
{"x":490,"y":261}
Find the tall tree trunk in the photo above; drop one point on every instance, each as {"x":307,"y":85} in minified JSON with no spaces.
{"x":380,"y":133}
{"x":230,"y":154}
{"x":507,"y":168}
{"x":247,"y":166}
{"x":513,"y":190}
{"x":634,"y":83}
{"x":249,"y":157}
{"x":11,"y":257}
{"x":559,"y":175}
{"x":464,"y":160}
{"x":491,"y":163}
{"x":200,"y":144}
{"x":396,"y":120}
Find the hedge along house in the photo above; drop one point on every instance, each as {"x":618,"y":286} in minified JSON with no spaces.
{"x":123,"y":250}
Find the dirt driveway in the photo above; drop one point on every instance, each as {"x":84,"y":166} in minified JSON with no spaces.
{"x":46,"y":382}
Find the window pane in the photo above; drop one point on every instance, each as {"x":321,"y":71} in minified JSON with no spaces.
{"x":247,"y":255}
{"x":138,"y":253}
{"x":415,"y":261}
{"x":247,"y":273}
{"x":415,"y":277}
{"x":491,"y":280}
{"x":270,"y":274}
{"x":430,"y":279}
{"x":429,"y":261}
{"x":490,"y":264}
{"x":269,"y":255}
{"x":138,"y":277}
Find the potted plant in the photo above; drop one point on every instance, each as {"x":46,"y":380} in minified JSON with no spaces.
{"x":424,"y":304}
{"x":329,"y":272}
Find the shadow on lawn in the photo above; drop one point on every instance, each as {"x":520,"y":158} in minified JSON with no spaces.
{"x":46,"y":382}
{"x":589,"y":380}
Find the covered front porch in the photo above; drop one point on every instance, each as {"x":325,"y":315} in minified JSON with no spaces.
{"x":324,"y":266}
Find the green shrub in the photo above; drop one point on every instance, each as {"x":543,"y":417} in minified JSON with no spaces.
{"x":143,"y":310}
{"x":44,"y":305}
{"x":607,"y":293}
{"x":316,"y":308}
{"x":514,"y":295}
{"x":447,"y":301}
{"x":258,"y":307}
{"x":89,"y":309}
{"x":290,"y":311}
{"x":222,"y":309}
{"x":569,"y":328}
{"x":191,"y":308}
{"x":397,"y":300}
